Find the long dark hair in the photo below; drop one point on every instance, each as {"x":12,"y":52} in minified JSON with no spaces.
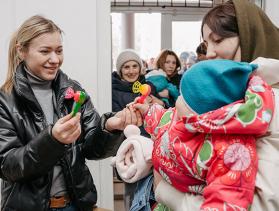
{"x":222,"y":20}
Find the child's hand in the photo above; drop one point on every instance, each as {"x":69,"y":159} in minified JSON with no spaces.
{"x":147,"y":101}
{"x":142,"y":108}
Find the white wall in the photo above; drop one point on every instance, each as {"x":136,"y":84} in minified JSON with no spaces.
{"x":87,"y":49}
{"x":271,"y":9}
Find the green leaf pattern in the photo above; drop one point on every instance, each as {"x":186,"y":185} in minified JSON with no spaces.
{"x":166,"y":118}
{"x":205,"y":154}
{"x":161,"y":207}
{"x":247,"y":112}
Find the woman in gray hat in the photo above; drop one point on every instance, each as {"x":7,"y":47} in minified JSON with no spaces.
{"x":129,"y":69}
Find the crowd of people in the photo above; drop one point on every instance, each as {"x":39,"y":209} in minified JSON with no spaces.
{"x":212,"y":117}
{"x":228,"y":40}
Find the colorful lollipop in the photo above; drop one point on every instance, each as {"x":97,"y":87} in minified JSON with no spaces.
{"x":143,"y":89}
{"x":79,"y":98}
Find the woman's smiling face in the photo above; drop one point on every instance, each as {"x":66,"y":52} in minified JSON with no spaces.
{"x":219,"y":47}
{"x":44,"y":55}
{"x":130,"y":71}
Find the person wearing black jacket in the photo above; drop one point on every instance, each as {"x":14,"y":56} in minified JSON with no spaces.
{"x":43,"y":147}
{"x":122,"y":93}
{"x":129,"y":70}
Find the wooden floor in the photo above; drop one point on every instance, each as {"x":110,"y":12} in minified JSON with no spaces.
{"x":119,"y":205}
{"x":118,"y":188}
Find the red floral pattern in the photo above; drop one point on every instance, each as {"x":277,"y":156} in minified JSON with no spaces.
{"x":216,"y":149}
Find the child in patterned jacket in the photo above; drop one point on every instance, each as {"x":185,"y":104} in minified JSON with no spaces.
{"x":206,"y":143}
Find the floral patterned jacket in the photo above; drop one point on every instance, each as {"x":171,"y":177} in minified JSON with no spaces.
{"x":213,"y":154}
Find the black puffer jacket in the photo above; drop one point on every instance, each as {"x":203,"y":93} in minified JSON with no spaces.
{"x":28,"y":152}
{"x":175,"y":80}
{"x":122,"y":92}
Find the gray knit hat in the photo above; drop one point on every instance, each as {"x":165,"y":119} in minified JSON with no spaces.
{"x":125,"y":56}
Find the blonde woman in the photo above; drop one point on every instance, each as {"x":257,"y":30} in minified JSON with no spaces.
{"x":42,"y":146}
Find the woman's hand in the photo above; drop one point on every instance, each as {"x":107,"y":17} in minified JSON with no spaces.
{"x":128,"y":116}
{"x":164,"y":93}
{"x":157,"y":179}
{"x":67,"y":129}
{"x":156,"y":100}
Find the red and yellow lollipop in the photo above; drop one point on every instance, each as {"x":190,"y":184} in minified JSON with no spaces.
{"x":143,"y":89}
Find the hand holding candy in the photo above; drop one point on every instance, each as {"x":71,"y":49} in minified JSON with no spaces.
{"x":79,"y":98}
{"x":144,"y":89}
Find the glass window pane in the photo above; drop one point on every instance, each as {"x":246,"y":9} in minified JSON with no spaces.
{"x":186,"y":36}
{"x":165,"y":3}
{"x":160,"y":3}
{"x":148,"y":34}
{"x":115,"y":36}
{"x":136,"y":2}
{"x":150,"y":2}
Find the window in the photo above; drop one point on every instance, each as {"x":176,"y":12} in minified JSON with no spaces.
{"x":147,"y":35}
{"x":186,"y":36}
{"x":162,"y":3}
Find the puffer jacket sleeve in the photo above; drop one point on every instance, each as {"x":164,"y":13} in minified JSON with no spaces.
{"x":152,"y":118}
{"x":98,"y":142}
{"x":250,"y":116}
{"x":19,"y":161}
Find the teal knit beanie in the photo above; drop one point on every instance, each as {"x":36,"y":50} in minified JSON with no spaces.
{"x":211,"y":84}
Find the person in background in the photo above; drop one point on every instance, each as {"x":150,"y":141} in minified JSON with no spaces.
{"x":183,"y":59}
{"x":169,"y":62}
{"x":130,"y":69}
{"x":158,"y":78}
{"x":151,"y":63}
{"x":187,"y":59}
{"x":192,"y":59}
{"x":43,"y":146}
{"x":201,"y":52}
{"x":144,"y":67}
{"x":244,"y":33}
